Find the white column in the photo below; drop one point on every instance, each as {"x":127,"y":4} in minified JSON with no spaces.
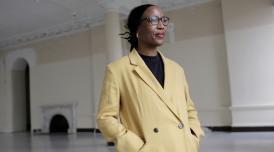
{"x":249,"y":34}
{"x":112,"y":31}
{"x":113,"y":9}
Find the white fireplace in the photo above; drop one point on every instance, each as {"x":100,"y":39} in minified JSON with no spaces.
{"x":66,"y":110}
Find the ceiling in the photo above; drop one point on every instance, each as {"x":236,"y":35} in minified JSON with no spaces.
{"x":23,"y":21}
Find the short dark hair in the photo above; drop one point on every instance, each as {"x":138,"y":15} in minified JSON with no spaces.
{"x":132,"y":24}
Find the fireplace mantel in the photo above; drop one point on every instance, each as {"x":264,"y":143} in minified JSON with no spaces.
{"x":67,"y":110}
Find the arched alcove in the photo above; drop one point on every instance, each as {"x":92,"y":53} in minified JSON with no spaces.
{"x":20,"y":95}
{"x":58,"y":124}
{"x":17,"y":67}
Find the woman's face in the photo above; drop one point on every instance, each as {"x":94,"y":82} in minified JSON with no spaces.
{"x":151,"y":34}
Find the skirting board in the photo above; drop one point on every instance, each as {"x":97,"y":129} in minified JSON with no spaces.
{"x":242,"y":129}
{"x":212,"y":128}
{"x":88,"y":130}
{"x":252,"y":115}
{"x":214,"y":116}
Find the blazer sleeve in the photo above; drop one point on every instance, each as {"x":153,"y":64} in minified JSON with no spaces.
{"x":108,"y":116}
{"x":192,"y":114}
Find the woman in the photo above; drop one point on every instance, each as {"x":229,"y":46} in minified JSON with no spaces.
{"x":145,"y":104}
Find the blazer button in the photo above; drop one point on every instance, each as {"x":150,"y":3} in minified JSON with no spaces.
{"x":156,"y":130}
{"x":181,"y":126}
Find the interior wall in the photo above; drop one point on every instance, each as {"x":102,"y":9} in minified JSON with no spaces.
{"x":2,"y":95}
{"x":13,"y":100}
{"x":208,"y":38}
{"x":249,"y":35}
{"x":61,"y":83}
{"x":71,"y":68}
{"x":66,"y":68}
{"x":199,"y":47}
{"x":18,"y":100}
{"x":63,"y":74}
{"x":98,"y":64}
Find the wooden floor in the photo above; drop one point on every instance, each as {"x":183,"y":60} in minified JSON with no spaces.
{"x":88,"y":142}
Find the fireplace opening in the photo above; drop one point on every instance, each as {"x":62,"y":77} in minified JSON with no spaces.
{"x":59,"y":124}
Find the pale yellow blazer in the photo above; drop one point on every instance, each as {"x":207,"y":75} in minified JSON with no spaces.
{"x":139,"y":115}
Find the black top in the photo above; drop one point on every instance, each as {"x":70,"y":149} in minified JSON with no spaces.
{"x":156,"y":66}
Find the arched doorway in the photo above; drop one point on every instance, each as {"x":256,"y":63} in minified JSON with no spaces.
{"x":20,"y":79}
{"x":27,"y":86}
{"x":59,"y":124}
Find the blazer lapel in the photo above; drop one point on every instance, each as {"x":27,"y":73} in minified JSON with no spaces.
{"x":169,"y":76}
{"x":147,"y":76}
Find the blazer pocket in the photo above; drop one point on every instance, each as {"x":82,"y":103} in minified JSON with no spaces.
{"x":144,"y":148}
{"x":129,"y":142}
{"x":195,"y":143}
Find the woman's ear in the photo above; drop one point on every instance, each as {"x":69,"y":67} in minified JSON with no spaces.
{"x":138,"y":32}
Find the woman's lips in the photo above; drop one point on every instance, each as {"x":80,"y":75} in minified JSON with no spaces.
{"x":160,"y":35}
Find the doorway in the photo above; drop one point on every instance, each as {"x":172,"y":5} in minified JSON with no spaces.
{"x":20,"y":75}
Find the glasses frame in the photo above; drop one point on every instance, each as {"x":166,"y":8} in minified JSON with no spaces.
{"x":149,"y":19}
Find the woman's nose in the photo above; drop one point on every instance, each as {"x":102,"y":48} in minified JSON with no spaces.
{"x":160,"y":25}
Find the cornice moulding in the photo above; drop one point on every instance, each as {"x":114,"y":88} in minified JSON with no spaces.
{"x":51,"y":32}
{"x":124,"y":7}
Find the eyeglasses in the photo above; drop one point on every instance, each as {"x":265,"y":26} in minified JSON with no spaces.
{"x":154,"y":20}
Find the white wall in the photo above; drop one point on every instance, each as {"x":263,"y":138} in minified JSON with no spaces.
{"x":3,"y":112}
{"x":62,"y":70}
{"x":63,"y":82}
{"x":225,"y":46}
{"x":18,"y":100}
{"x":206,"y":70}
{"x":13,"y":64}
{"x":199,"y":47}
{"x":98,"y":71}
{"x":249,"y":34}
{"x":98,"y":63}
